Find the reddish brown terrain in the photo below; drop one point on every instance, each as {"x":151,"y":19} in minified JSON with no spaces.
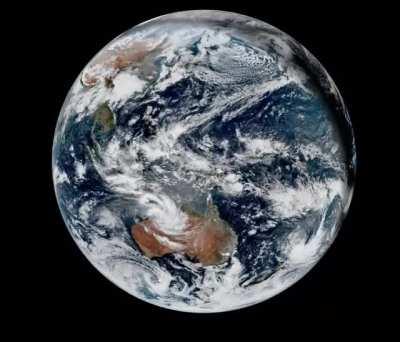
{"x":108,"y":63}
{"x":208,"y":240}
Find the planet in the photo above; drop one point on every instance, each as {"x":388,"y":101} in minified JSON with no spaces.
{"x":203,"y":161}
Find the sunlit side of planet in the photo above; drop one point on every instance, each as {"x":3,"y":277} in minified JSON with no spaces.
{"x":203,"y":161}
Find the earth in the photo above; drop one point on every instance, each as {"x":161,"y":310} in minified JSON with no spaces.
{"x":203,"y":161}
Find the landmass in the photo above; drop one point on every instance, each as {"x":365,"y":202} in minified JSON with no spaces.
{"x":205,"y":238}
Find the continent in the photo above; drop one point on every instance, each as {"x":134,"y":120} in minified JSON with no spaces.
{"x":110,"y":62}
{"x":207,"y":239}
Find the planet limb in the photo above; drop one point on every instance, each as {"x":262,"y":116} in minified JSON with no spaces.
{"x":203,"y":161}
